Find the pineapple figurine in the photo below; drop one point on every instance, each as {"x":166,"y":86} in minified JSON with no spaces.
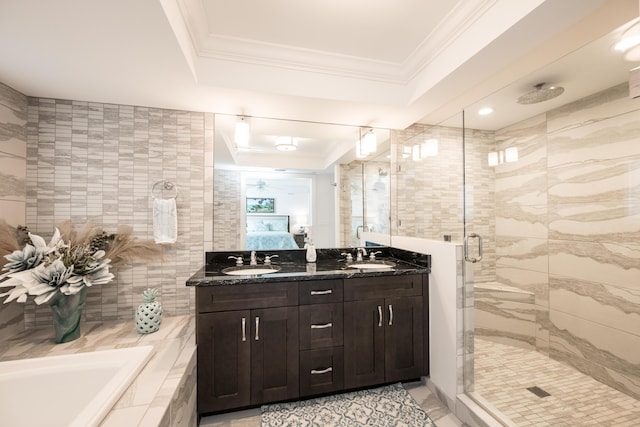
{"x":149,"y":313}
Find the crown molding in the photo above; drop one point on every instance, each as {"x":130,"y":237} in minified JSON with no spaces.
{"x":209,"y":45}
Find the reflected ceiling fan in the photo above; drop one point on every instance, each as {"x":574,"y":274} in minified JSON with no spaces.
{"x":262,"y":185}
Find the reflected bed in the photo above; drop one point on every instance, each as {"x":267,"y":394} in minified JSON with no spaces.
{"x":269,"y":232}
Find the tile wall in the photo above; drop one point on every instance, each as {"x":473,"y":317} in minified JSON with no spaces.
{"x":13,"y":190}
{"x":362,"y":184}
{"x":226,"y":196}
{"x":98,"y":162}
{"x":561,"y":228}
{"x":568,"y":233}
{"x":426,"y":195}
{"x":594,"y":237}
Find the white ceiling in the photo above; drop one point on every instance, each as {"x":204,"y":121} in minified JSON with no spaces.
{"x":360,"y":62}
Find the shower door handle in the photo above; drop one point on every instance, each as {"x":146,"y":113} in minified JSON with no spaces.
{"x":466,"y":247}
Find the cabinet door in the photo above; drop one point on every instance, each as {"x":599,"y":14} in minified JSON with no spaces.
{"x":363,"y":343}
{"x":223,"y":360}
{"x":404,"y":338}
{"x":274,"y":354}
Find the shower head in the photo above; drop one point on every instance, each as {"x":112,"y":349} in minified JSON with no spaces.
{"x":541,"y":93}
{"x":382,"y":172}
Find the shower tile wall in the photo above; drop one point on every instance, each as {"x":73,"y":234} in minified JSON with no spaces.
{"x":568,"y":231}
{"x":521,"y":236}
{"x":594,"y":237}
{"x":13,"y":169}
{"x":99,"y":162}
{"x":427,"y":195}
{"x":350,"y":202}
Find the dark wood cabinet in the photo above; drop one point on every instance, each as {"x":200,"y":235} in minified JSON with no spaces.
{"x":224,"y":360}
{"x":274,"y":354}
{"x":277,"y":341}
{"x":384,"y":334}
{"x":321,"y":337}
{"x":247,"y":357}
{"x":364,"y":343}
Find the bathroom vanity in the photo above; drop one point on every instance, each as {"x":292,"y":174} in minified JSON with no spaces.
{"x":308,"y":329}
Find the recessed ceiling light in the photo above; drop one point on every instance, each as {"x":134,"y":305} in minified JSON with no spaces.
{"x":485,"y":111}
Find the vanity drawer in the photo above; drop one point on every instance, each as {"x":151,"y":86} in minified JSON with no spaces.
{"x":321,"y":371}
{"x":320,"y":291}
{"x":382,"y":287}
{"x":320,"y":326}
{"x":242,"y":297}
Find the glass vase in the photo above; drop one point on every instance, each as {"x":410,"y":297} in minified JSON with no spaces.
{"x":67,"y":312}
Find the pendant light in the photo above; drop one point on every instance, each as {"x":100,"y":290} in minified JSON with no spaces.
{"x":242,"y":133}
{"x":369,"y":143}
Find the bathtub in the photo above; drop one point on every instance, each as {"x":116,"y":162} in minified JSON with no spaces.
{"x":75,"y":390}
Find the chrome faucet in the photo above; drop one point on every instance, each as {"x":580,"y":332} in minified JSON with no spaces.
{"x":268,"y":258}
{"x":372,"y":255}
{"x":253,"y":260}
{"x":237,"y":258}
{"x":361,"y":252}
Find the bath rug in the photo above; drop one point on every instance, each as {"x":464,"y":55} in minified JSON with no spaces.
{"x":384,"y":407}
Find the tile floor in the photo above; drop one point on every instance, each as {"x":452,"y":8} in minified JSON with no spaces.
{"x":503,"y":373}
{"x":436,"y":410}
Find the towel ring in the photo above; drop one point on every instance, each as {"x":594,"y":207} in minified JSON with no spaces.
{"x":162,"y":186}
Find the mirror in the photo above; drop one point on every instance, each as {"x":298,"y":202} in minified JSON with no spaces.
{"x":291,"y":182}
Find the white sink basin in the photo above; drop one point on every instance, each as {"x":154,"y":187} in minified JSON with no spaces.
{"x":372,"y":264}
{"x":251,"y":270}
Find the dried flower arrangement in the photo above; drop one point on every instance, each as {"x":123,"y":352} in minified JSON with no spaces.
{"x":70,"y":261}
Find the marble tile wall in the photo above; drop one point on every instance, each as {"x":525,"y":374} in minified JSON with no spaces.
{"x":13,"y":170}
{"x":568,"y":231}
{"x":594,"y":237}
{"x":94,"y":161}
{"x":521,"y":208}
{"x":427,"y":195}
{"x":227,"y":227}
{"x":376,"y":193}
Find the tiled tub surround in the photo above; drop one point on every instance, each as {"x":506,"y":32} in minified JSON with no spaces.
{"x":163,"y":394}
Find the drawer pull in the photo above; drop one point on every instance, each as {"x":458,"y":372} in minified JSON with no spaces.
{"x":244,"y":329}
{"x":327,"y":292}
{"x":390,"y":315}
{"x":379,"y":316}
{"x":257,"y":328}
{"x":321,"y":371}
{"x":326,"y":325}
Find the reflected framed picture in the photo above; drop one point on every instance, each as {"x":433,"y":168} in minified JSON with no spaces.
{"x":261,"y":205}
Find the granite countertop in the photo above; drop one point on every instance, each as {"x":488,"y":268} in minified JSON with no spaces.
{"x":330,"y":264}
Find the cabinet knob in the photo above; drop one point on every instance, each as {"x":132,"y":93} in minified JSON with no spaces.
{"x":326,"y":292}
{"x":379,"y":316}
{"x":244,"y":329}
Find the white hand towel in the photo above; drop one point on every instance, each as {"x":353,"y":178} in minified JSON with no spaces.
{"x":165,"y":221}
